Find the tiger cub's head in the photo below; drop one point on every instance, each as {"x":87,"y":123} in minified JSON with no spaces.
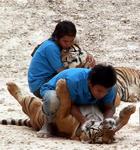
{"x":74,"y":57}
{"x":98,"y":131}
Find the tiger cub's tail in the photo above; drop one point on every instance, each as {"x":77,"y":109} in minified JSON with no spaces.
{"x":18,"y":122}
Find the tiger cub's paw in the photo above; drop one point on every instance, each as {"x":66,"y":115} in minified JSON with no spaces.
{"x":13,"y":89}
{"x":61,"y":89}
{"x":133,"y":98}
{"x":125,"y":114}
{"x":127,"y":111}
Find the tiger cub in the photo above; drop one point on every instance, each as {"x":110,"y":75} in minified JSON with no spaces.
{"x":92,"y":131}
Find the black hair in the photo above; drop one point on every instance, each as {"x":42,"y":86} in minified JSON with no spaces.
{"x":64,"y":28}
{"x":103,"y":75}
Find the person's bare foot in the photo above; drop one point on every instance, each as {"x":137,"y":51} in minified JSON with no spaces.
{"x":45,"y":131}
{"x":43,"y":134}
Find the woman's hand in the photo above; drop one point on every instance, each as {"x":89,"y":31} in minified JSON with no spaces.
{"x":90,"y":61}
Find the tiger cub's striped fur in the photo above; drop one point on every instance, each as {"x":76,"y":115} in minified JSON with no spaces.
{"x":75,"y":57}
{"x":18,"y":122}
{"x":128,"y":84}
{"x":31,"y":106}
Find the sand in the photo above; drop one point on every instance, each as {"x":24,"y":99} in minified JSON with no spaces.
{"x":108,"y":29}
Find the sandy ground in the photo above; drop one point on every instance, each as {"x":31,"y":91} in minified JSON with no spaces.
{"x":109,"y":29}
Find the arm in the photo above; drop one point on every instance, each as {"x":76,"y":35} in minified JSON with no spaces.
{"x":53,"y":56}
{"x":108,"y":105}
{"x":75,"y":111}
{"x":89,"y":61}
{"x":109,"y":111}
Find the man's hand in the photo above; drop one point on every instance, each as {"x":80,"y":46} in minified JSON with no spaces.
{"x":109,"y":111}
{"x":75,"y":111}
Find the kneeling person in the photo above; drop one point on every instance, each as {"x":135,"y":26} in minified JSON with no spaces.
{"x":86,"y":86}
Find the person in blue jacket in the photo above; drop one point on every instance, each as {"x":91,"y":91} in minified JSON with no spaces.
{"x":46,"y":61}
{"x":94,"y":86}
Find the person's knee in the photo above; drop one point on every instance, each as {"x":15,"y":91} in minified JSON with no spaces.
{"x":50,"y":103}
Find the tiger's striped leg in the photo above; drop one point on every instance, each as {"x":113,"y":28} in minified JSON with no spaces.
{"x":31,"y":106}
{"x":65,"y":122}
{"x":124,"y":116}
{"x":64,"y":97}
{"x":15,"y":91}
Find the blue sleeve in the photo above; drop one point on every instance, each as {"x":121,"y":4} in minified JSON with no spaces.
{"x":72,"y":89}
{"x":54,"y":57}
{"x":110,"y":97}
